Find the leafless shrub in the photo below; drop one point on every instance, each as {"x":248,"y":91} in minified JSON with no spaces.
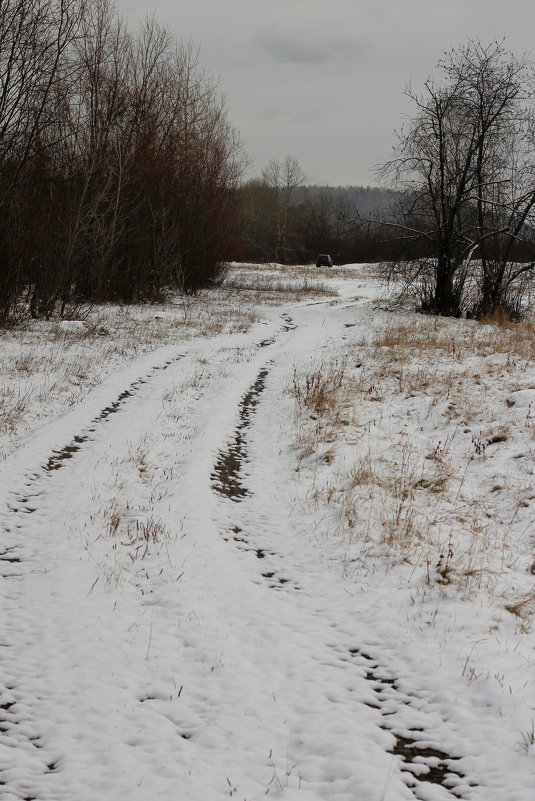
{"x":318,"y":391}
{"x":13,"y":406}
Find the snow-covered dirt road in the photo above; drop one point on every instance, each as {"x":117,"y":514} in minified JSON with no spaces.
{"x":176,"y":622}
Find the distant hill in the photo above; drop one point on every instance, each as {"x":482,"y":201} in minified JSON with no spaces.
{"x":369,"y":200}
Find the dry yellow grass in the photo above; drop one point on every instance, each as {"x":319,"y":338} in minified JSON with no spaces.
{"x":276,"y":284}
{"x":418,"y":336}
{"x":417,"y":406}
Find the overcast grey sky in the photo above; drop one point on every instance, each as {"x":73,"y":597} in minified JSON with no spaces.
{"x":323,"y":80}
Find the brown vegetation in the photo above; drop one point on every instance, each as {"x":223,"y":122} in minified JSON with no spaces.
{"x":118,"y":167}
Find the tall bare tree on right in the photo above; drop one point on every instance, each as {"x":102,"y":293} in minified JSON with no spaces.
{"x":466,"y":164}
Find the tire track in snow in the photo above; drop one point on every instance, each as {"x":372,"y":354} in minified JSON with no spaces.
{"x":19,"y":736}
{"x":226,"y":476}
{"x":23,"y":503}
{"x":423,"y":765}
{"x":14,"y":722}
{"x":422,"y":762}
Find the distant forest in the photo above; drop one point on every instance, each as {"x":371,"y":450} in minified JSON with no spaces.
{"x":370,"y":201}
{"x":285,"y":221}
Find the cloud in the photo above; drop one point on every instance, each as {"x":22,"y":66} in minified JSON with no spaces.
{"x":312,"y":45}
{"x":287,"y":48}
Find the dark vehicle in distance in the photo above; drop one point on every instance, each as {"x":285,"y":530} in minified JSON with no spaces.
{"x":324,"y":260}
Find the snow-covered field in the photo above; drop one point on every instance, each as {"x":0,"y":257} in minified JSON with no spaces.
{"x":275,"y":540}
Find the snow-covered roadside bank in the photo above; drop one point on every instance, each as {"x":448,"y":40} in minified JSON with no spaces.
{"x":419,"y":457}
{"x":163,"y":638}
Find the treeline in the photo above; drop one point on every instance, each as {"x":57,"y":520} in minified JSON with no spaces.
{"x":283,"y":220}
{"x":119,"y":169}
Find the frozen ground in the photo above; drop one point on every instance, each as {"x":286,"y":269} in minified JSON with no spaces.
{"x":277,"y":543}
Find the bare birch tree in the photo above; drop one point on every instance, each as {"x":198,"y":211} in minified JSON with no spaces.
{"x":283,"y":177}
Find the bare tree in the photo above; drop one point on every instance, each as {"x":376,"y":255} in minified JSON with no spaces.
{"x":465,"y":164}
{"x":34,"y":35}
{"x":34,"y":38}
{"x":283,"y":177}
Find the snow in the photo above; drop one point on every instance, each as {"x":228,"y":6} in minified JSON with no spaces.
{"x":160,"y":639}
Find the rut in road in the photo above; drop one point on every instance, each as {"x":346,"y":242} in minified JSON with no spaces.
{"x":421,"y":762}
{"x":26,"y":502}
{"x":226,"y":478}
{"x":265,"y":557}
{"x":226,"y":475}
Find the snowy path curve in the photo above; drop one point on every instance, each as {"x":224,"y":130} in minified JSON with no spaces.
{"x":175,"y":629}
